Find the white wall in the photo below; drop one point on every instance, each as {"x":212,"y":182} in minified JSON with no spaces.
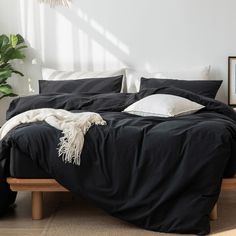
{"x":107,"y":34}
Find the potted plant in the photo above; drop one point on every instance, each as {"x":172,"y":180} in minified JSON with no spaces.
{"x":11,"y":48}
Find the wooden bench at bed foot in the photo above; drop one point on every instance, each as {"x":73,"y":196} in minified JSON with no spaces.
{"x":38,"y":186}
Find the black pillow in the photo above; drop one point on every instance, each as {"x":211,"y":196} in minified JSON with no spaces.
{"x":93,"y":85}
{"x":208,"y":88}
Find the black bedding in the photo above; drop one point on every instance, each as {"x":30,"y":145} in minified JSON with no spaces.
{"x":162,"y":174}
{"x":22,"y":166}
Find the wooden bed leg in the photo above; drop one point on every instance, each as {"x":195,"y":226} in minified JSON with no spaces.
{"x":37,"y":205}
{"x":214,"y":215}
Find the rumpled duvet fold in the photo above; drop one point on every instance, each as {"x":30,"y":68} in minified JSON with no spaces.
{"x":73,"y":126}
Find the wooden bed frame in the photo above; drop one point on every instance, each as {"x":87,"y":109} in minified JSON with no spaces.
{"x":38,"y":186}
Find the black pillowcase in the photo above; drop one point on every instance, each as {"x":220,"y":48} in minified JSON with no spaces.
{"x":207,"y":88}
{"x":93,"y":85}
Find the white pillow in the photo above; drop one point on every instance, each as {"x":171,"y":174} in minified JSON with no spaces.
{"x":163,"y":105}
{"x":52,"y":74}
{"x":133,"y":76}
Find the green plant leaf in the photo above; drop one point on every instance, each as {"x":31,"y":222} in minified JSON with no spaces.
{"x":4,"y":50}
{"x":6,"y":66}
{"x":21,"y":47}
{"x":18,"y":72}
{"x":12,"y":54}
{"x":6,"y":89}
{"x":14,"y":40}
{"x":3,"y":80}
{"x":18,"y":54}
{"x":4,"y":40}
{"x":20,"y":39}
{"x":9,"y":95}
{"x":10,"y":49}
{"x":5,"y":74}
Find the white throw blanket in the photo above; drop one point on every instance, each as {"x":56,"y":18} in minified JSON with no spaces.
{"x":73,"y":126}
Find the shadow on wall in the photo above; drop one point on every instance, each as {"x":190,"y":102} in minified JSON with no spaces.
{"x":158,"y":35}
{"x":110,"y":35}
{"x":61,"y":38}
{"x":66,"y":39}
{"x":92,"y":54}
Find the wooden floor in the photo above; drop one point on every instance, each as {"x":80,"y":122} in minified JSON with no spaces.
{"x":66,"y":215}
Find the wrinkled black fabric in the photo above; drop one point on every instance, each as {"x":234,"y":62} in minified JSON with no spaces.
{"x":208,"y":88}
{"x":162,"y":174}
{"x":92,"y":85}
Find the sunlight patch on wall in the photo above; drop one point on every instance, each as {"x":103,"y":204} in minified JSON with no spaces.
{"x":83,"y":49}
{"x":30,"y":88}
{"x":65,"y":39}
{"x":98,"y":56}
{"x":42,"y":33}
{"x":93,"y":39}
{"x":97,"y":27}
{"x":109,"y":36}
{"x":82,"y":15}
{"x":30,"y":24}
{"x":64,"y":42}
{"x":22,"y":17}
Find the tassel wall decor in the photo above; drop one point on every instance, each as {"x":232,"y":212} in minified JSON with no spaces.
{"x":54,"y":3}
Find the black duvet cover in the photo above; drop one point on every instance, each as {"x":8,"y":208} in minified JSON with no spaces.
{"x":162,"y":174}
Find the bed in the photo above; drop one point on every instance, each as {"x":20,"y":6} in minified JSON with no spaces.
{"x":26,"y":176}
{"x":127,"y":166}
